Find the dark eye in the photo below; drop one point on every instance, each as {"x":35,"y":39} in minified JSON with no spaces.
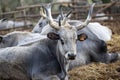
{"x":62,"y":42}
{"x":40,"y":24}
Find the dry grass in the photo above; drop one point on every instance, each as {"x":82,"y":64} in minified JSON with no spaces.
{"x":96,"y":71}
{"x":114,"y":26}
{"x":114,"y":43}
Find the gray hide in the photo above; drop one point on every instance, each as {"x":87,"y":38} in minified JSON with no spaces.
{"x":92,"y":50}
{"x":17,"y":37}
{"x":42,"y":22}
{"x":34,"y":62}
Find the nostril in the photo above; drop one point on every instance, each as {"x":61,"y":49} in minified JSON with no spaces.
{"x":71,"y":56}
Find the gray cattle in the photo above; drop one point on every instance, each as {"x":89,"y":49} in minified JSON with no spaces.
{"x":7,"y":24}
{"x":42,"y":22}
{"x":17,"y":38}
{"x":92,"y":50}
{"x":45,"y":58}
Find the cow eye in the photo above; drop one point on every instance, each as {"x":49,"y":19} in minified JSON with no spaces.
{"x":40,"y":24}
{"x":82,"y":37}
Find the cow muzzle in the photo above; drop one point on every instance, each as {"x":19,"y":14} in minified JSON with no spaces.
{"x":71,"y":56}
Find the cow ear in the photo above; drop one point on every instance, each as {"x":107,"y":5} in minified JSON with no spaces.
{"x":53,"y":36}
{"x":82,"y":37}
{"x":1,"y":38}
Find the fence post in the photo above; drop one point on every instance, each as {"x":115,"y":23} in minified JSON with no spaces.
{"x":25,"y":20}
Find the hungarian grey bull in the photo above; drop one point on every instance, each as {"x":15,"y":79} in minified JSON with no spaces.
{"x":36,"y":61}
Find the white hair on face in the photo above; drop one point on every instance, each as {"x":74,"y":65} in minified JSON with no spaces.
{"x":102,"y":32}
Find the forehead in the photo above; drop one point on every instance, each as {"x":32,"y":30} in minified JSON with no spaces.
{"x":68,"y":32}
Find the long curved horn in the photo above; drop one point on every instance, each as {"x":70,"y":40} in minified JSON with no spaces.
{"x":84,"y":24}
{"x":48,"y":16}
{"x":42,"y":13}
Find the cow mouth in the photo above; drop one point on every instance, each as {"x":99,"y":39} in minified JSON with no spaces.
{"x":71,"y":58}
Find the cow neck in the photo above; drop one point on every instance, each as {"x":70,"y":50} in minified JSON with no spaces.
{"x":62,"y":60}
{"x":57,"y":51}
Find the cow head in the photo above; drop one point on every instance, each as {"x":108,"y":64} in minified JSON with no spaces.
{"x":66,"y":33}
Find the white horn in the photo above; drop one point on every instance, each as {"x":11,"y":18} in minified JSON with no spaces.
{"x":48,"y":16}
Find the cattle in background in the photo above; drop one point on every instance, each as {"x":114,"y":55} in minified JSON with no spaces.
{"x":17,"y":37}
{"x":98,"y":17}
{"x":7,"y":24}
{"x":41,"y":23}
{"x":45,"y":58}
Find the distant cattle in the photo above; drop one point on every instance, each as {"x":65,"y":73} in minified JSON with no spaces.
{"x":7,"y":24}
{"x":17,"y":38}
{"x":102,"y":16}
{"x":41,"y":23}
